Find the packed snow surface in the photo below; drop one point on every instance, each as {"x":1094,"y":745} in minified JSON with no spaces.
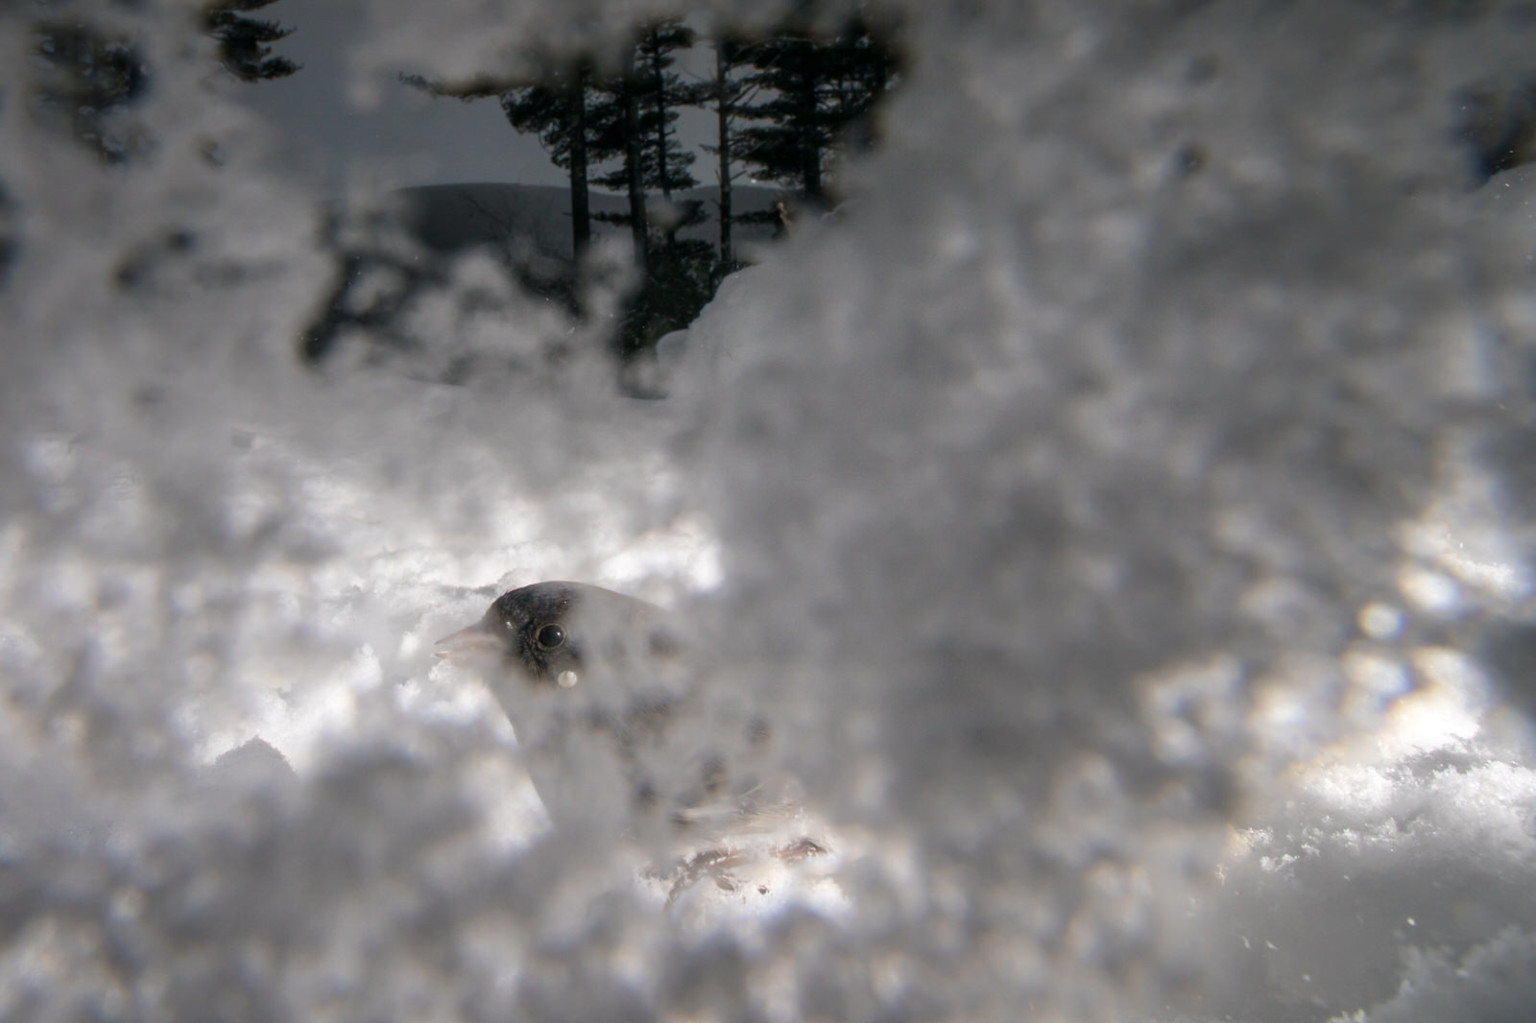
{"x":1119,"y":514}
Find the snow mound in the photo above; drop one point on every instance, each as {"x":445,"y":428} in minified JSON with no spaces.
{"x":1119,"y":518}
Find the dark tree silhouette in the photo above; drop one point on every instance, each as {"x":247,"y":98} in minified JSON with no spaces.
{"x":628,"y":94}
{"x":815,"y":95}
{"x":725,"y":92}
{"x":649,"y":96}
{"x":245,"y":44}
{"x":574,"y":133}
{"x":665,"y":162}
{"x":564,"y":109}
{"x":788,"y":146}
{"x":821,"y":93}
{"x":804,"y":98}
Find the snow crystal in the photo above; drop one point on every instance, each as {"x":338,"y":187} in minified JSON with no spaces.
{"x":1491,"y":984}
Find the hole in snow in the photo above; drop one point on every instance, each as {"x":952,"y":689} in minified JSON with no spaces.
{"x":666,"y":166}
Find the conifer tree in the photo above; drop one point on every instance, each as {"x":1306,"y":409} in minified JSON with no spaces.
{"x":574,"y":131}
{"x":862,"y":69}
{"x":725,"y":92}
{"x":658,"y":161}
{"x":787,"y":146}
{"x":732,"y":96}
{"x":818,"y":92}
{"x":665,"y":163}
{"x":245,"y":44}
{"x":565,"y":109}
{"x":634,"y":184}
{"x":677,"y":277}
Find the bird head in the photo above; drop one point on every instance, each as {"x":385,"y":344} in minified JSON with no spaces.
{"x":565,"y":636}
{"x":527,"y":633}
{"x":590,"y":680}
{"x":570,"y":663}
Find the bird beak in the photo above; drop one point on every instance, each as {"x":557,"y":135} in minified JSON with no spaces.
{"x":467,"y":643}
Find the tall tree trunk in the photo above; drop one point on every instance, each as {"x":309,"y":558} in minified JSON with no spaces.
{"x":581,"y":209}
{"x":810,"y":132}
{"x":632,"y":164}
{"x":723,"y":113}
{"x":663,"y":178}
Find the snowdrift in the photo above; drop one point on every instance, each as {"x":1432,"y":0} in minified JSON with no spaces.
{"x":1120,"y":513}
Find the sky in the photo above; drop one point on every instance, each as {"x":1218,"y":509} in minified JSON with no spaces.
{"x":408,"y":138}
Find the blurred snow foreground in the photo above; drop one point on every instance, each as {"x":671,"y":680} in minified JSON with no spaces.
{"x":1121,"y":514}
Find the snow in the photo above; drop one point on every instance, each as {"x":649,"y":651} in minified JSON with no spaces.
{"x":1120,"y":512}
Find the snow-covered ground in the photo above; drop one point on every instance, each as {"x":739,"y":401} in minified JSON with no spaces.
{"x":1120,"y":512}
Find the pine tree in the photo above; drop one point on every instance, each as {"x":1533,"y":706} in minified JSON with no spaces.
{"x":564,"y":109}
{"x":666,"y":163}
{"x":645,"y":99}
{"x":730,"y":95}
{"x":862,"y":68}
{"x":575,"y":133}
{"x":649,"y":96}
{"x":245,"y":44}
{"x":634,"y":184}
{"x":780,"y":148}
{"x":818,"y":92}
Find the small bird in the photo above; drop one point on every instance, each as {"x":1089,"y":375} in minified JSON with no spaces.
{"x":603,"y":692}
{"x":592,"y":681}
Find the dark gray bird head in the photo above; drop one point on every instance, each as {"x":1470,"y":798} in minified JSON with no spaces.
{"x":563,"y":634}
{"x":591,"y":681}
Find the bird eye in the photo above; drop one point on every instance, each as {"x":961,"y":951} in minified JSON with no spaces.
{"x":549,"y":636}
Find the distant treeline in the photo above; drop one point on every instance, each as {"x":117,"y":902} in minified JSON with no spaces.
{"x":786,"y":105}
